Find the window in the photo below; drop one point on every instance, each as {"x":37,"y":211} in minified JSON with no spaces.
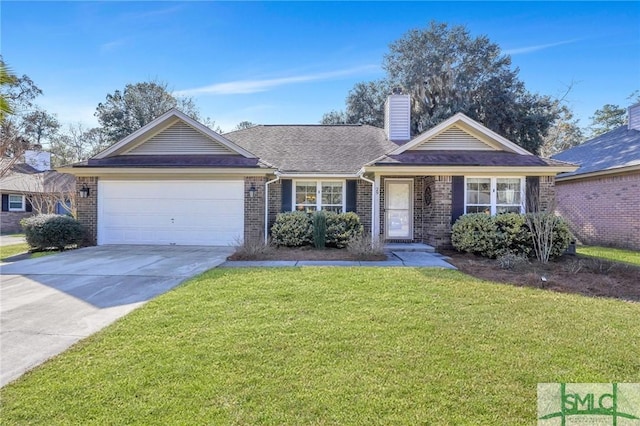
{"x":494,"y":195}
{"x":16,"y":203}
{"x":310,"y":196}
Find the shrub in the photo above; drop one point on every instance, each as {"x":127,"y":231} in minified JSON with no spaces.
{"x":512,"y":235}
{"x":364,"y":247}
{"x":251,"y":249}
{"x":341,"y":228}
{"x":52,"y":230}
{"x":292,"y":229}
{"x":510,"y":260}
{"x":550,"y":235}
{"x":474,"y":233}
{"x":319,"y":220}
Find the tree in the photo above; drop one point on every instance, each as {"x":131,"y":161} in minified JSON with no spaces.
{"x":607,"y":118}
{"x":7,"y":78}
{"x":18,"y":94}
{"x":126,"y":111}
{"x":244,"y":125}
{"x":563,"y":134}
{"x":447,"y":71}
{"x":76,"y":144}
{"x":334,"y":117}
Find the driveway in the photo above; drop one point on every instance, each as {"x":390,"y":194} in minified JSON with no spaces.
{"x":50,"y":303}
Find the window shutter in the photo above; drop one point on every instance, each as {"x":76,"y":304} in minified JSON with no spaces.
{"x":352,"y":195}
{"x":457,"y":197}
{"x":532,"y":193}
{"x":27,"y":205}
{"x":5,"y":202}
{"x":286,"y":195}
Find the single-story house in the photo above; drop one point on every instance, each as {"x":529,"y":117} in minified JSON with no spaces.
{"x":175,"y":181}
{"x":29,"y":186}
{"x":600,"y":199}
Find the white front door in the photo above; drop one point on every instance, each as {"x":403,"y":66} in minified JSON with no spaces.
{"x":181,"y":212}
{"x":398,"y":209}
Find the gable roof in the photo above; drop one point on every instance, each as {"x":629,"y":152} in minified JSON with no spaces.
{"x":611,"y":152}
{"x":171,"y":126}
{"x":314,"y":148}
{"x":481,"y":137}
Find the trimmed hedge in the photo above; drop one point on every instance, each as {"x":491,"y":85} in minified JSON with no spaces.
{"x":295,"y":229}
{"x":45,"y":231}
{"x":508,"y":233}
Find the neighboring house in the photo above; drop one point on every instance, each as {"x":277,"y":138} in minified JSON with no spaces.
{"x":175,"y":181}
{"x":29,"y":187}
{"x":601,"y":199}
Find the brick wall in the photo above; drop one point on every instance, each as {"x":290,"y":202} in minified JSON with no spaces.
{"x":10,"y":221}
{"x":547,"y":193}
{"x":88,"y":209}
{"x":363,"y":204}
{"x":604,"y":210}
{"x":275,"y":202}
{"x":254,"y":209}
{"x":437,"y":214}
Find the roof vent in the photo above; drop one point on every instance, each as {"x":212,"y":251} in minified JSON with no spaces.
{"x":634,"y":117}
{"x":397,"y":117}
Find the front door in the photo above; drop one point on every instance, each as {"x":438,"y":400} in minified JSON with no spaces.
{"x":398,"y":212}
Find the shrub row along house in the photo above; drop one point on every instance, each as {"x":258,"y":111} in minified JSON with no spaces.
{"x":175,"y":181}
{"x":600,"y":199}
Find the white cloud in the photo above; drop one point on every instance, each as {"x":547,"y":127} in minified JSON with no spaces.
{"x":535,"y":48}
{"x":111,"y":45}
{"x":255,"y":86}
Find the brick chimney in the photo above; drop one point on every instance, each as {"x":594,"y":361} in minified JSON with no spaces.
{"x":397,"y":117}
{"x":634,"y":117}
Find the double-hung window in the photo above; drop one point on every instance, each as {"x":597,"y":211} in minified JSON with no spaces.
{"x":494,"y":195}
{"x":311,"y":195}
{"x":16,"y":203}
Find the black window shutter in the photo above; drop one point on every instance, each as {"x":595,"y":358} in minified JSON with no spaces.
{"x":5,"y":202}
{"x":27,"y":205}
{"x":457,"y":197}
{"x":352,"y":195}
{"x":286,"y":195}
{"x":533,"y":193}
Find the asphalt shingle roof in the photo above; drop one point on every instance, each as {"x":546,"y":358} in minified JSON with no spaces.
{"x":172,"y":161}
{"x":23,"y":178}
{"x":461,"y":158}
{"x":615,"y":149}
{"x":314,"y":148}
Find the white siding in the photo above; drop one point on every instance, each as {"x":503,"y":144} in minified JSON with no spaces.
{"x":454,"y":138}
{"x":634,"y":117}
{"x":397,"y":117}
{"x":178,"y":139}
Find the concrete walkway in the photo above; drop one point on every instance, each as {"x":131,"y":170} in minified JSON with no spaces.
{"x":10,"y":240}
{"x":52,"y":302}
{"x":394,"y":258}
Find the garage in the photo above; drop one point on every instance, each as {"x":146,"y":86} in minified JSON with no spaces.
{"x":170,"y":212}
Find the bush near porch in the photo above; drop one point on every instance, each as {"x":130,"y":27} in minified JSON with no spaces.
{"x":295,"y":229}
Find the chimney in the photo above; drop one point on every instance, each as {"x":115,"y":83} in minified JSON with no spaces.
{"x":39,"y":160}
{"x":634,"y":117}
{"x":397,"y":117}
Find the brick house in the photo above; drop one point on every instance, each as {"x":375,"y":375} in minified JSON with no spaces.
{"x":30,"y":186}
{"x":175,"y":181}
{"x":600,"y":199}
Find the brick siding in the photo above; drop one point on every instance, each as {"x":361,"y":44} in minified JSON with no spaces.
{"x":363,"y":204}
{"x":275,"y":202}
{"x":602,"y":210}
{"x":10,"y":221}
{"x":437,"y":214}
{"x":254,"y":209}
{"x":88,"y":209}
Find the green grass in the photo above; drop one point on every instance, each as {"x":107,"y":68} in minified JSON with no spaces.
{"x":614,"y":254}
{"x":15,"y":249}
{"x":332,"y":346}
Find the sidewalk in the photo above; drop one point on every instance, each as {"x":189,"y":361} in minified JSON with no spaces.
{"x":395,"y":258}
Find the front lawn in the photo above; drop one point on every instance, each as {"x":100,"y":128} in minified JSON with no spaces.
{"x":332,"y":346}
{"x":9,"y":251}
{"x":609,"y":253}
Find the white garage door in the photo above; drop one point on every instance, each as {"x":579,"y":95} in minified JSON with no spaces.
{"x":170,"y":212}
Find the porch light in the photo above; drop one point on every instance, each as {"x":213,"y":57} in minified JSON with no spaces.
{"x":252,"y":191}
{"x":84,"y":191}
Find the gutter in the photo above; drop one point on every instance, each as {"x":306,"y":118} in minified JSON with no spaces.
{"x":266,"y":206}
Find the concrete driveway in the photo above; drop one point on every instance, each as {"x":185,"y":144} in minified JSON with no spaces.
{"x":50,"y":303}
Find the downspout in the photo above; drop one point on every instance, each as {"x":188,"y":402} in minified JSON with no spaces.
{"x":373,"y":202}
{"x":266,"y":206}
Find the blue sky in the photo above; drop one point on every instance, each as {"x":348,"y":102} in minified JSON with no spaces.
{"x":289,"y":62}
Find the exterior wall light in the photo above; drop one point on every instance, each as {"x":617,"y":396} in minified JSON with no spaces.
{"x":252,"y":191}
{"x":84,"y":192}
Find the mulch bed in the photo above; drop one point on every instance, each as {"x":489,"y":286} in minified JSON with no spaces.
{"x":306,"y":253}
